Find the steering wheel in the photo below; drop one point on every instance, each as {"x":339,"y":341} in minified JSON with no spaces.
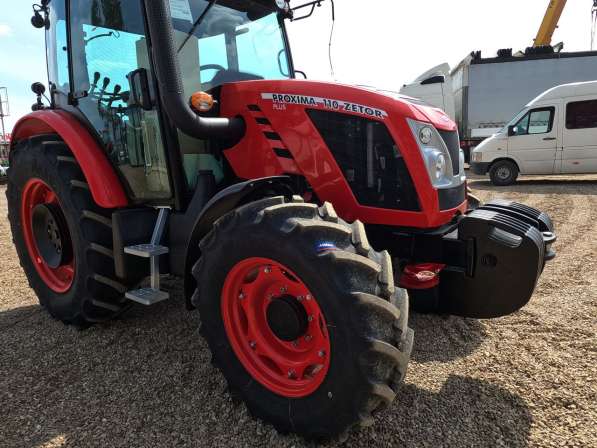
{"x":211,"y":67}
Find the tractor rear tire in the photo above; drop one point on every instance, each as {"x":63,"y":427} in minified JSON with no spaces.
{"x":363,"y":318}
{"x":88,"y":291}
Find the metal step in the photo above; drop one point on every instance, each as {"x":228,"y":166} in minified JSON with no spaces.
{"x":147,"y":296}
{"x":146,"y":250}
{"x":153,"y":250}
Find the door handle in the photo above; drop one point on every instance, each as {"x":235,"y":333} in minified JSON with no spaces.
{"x":549,"y":138}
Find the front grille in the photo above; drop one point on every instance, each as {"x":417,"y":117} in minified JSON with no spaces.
{"x":452,"y":141}
{"x":370,"y":160}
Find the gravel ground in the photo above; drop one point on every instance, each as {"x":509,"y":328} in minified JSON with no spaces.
{"x":146,"y":380}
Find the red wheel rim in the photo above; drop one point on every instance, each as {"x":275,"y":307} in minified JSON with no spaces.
{"x":291,"y":369}
{"x":59,"y":279}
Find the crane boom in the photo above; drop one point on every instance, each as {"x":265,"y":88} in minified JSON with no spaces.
{"x":550,"y":22}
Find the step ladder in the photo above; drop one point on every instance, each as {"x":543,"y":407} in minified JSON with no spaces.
{"x":153,"y":250}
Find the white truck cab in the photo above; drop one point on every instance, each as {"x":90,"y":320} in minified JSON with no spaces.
{"x":556,"y":133}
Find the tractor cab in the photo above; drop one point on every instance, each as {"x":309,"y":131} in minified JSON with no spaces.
{"x":101,"y":68}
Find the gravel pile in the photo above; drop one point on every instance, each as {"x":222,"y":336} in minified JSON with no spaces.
{"x":529,"y":379}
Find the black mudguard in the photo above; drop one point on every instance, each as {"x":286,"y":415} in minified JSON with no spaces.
{"x":186,"y":230}
{"x":507,"y":247}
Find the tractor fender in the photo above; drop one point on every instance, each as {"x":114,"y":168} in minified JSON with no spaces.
{"x":186,"y":231}
{"x":105,"y":186}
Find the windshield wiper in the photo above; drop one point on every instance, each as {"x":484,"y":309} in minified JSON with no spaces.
{"x":197,"y":23}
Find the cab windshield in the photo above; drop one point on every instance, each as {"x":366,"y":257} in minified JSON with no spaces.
{"x":222,"y":41}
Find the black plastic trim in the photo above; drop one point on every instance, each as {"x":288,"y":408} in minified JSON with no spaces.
{"x":283,"y":153}
{"x":189,"y":228}
{"x":480,"y":168}
{"x":272,"y":136}
{"x":451,"y":197}
{"x":263,"y":121}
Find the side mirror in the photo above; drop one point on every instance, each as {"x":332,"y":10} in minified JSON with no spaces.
{"x":139,"y":94}
{"x":512,"y":130}
{"x":40,"y":15}
{"x":38,"y":88}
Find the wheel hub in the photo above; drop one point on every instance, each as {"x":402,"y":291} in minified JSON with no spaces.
{"x":503,"y":173}
{"x":48,"y":232}
{"x":275,"y":327}
{"x":287,"y":318}
{"x":47,"y":236}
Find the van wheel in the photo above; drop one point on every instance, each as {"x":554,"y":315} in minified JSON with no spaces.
{"x":503,"y":172}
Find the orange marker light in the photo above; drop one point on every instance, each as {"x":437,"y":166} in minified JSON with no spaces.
{"x":202,"y":101}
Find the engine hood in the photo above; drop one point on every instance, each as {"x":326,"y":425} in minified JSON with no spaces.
{"x":283,"y":137}
{"x":364,"y":101}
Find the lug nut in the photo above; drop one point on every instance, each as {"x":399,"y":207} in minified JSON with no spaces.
{"x":252,"y":344}
{"x":308,"y":338}
{"x":283,"y":289}
{"x":308,"y":297}
{"x":291,"y":373}
{"x":267,"y":269}
{"x":310,"y":318}
{"x":321,"y":353}
{"x":300,"y":298}
{"x":295,"y":343}
{"x":241,"y":295}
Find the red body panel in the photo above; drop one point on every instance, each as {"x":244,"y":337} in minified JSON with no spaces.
{"x":104,"y":184}
{"x":311,"y":156}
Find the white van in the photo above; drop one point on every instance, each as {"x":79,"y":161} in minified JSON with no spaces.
{"x":556,"y":133}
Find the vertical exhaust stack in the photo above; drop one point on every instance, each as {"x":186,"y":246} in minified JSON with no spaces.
{"x":170,"y":81}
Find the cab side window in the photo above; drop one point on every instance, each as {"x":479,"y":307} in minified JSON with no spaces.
{"x":537,"y":121}
{"x":581,"y":115}
{"x":57,"y":49}
{"x":109,"y":48}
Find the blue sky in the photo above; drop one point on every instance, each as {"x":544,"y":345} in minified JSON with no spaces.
{"x":22,"y":56}
{"x":386,"y":44}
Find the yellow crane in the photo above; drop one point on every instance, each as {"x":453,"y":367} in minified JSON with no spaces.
{"x":550,"y":22}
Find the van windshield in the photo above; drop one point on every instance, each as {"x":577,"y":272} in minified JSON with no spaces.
{"x":515,"y":120}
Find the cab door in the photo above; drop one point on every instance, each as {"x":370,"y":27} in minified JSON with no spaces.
{"x":112,"y":88}
{"x":533,"y":141}
{"x":579,"y":148}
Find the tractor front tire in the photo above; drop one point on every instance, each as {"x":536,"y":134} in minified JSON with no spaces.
{"x":72,"y":271}
{"x":302,"y":316}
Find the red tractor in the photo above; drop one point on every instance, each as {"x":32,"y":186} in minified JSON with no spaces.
{"x":176,"y":140}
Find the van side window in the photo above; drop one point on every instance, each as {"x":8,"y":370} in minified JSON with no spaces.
{"x":581,"y":115}
{"x":536,"y":121}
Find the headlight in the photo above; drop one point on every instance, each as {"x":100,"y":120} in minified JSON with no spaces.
{"x":477,"y":156}
{"x":426,"y":135}
{"x":440,"y":166}
{"x":435,"y":154}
